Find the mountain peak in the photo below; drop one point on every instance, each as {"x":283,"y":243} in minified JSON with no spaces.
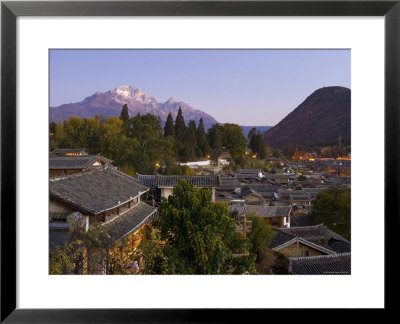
{"x":321,"y":118}
{"x":110,"y":104}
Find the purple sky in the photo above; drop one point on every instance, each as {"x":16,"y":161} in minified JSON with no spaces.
{"x":247,"y":87}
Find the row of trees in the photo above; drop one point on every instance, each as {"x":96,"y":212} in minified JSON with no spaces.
{"x":192,"y":235}
{"x":140,"y":144}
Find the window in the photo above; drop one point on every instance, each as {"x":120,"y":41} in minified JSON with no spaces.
{"x":306,"y":253}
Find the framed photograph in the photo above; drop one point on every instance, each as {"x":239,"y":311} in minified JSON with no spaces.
{"x":49,"y":48}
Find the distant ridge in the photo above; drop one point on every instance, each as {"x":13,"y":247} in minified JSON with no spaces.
{"x":110,"y":103}
{"x":321,"y":118}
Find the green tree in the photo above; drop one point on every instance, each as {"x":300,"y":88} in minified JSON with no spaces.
{"x":146,"y":129}
{"x":124,"y":114}
{"x":257,"y":143}
{"x":113,"y":132}
{"x":333,"y":208}
{"x":214,"y":138}
{"x":203,"y":148}
{"x":233,"y":139}
{"x":91,"y":252}
{"x":281,"y":264}
{"x":180,"y":127}
{"x":192,"y":140}
{"x":261,"y":234}
{"x":74,"y":126}
{"x":59,"y":135}
{"x":92,"y":135}
{"x":52,"y":127}
{"x":199,"y":235}
{"x":169,"y":129}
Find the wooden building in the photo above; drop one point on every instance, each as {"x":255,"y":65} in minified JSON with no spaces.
{"x":100,"y":195}
{"x":69,"y":152}
{"x":277,"y":216}
{"x":74,"y":164}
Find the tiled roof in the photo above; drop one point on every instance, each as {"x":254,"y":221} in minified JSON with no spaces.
{"x":301,"y":221}
{"x":246,"y":175}
{"x":95,"y":190}
{"x":169,"y":181}
{"x":280,"y":238}
{"x":146,"y":180}
{"x":75,"y":162}
{"x":227,"y":183}
{"x":338,"y":246}
{"x":246,"y":191}
{"x":280,"y":176}
{"x":299,"y":197}
{"x":267,"y":211}
{"x":264,"y":187}
{"x":248,"y":171}
{"x":323,"y":264}
{"x":130,"y":221}
{"x":314,"y":233}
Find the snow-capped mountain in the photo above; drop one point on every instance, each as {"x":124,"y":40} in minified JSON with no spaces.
{"x":110,"y":103}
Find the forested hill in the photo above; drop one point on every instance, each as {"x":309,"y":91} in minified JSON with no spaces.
{"x":322,"y":118}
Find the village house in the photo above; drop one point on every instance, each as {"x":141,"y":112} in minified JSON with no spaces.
{"x":250,"y":196}
{"x":277,"y":216}
{"x":69,"y":152}
{"x":311,"y":241}
{"x":321,"y":235}
{"x":100,"y":195}
{"x":162,"y":186}
{"x":74,"y":164}
{"x":293,"y":246}
{"x":300,"y":199}
{"x":280,"y":178}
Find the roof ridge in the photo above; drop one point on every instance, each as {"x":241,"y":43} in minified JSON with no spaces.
{"x":335,"y":255}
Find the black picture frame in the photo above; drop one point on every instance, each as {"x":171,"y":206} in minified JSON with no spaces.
{"x":10,"y":10}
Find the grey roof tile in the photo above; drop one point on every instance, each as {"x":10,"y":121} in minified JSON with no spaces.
{"x":130,"y":221}
{"x":147,"y":180}
{"x":169,"y":181}
{"x":280,"y":238}
{"x":301,"y":221}
{"x":76,"y":162}
{"x":321,"y":265}
{"x":313,"y":233}
{"x":267,"y":211}
{"x":95,"y":190}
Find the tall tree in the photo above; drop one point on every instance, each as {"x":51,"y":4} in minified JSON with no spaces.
{"x":169,"y":128}
{"x":260,"y":235}
{"x":145,"y":128}
{"x":74,"y":126}
{"x":257,"y":143}
{"x":59,"y":134}
{"x":124,"y":114}
{"x":203,"y":148}
{"x":233,"y":139}
{"x":180,"y":127}
{"x":92,"y":135}
{"x":215,"y":140}
{"x":192,"y":139}
{"x":199,"y":235}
